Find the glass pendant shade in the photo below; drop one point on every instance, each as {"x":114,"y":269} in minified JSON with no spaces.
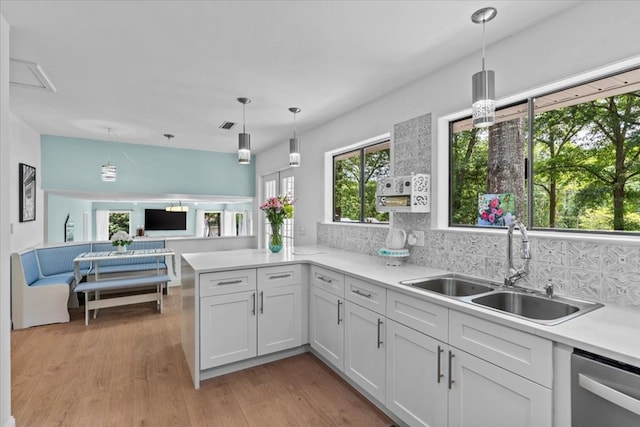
{"x":294,"y":152}
{"x":244,"y":148}
{"x":483,"y":108}
{"x":109,"y":172}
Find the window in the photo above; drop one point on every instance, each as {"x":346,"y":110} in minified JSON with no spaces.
{"x":574,"y":166}
{"x":355,"y":176}
{"x":213,"y":221}
{"x":108,"y":222}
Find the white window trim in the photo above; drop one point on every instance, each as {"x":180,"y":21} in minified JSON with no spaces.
{"x":328,"y":177}
{"x":440,"y":165}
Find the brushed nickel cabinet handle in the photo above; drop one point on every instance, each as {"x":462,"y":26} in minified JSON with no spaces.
{"x":359,"y":292}
{"x":261,"y":302}
{"x":230,"y":282}
{"x":451,"y":381}
{"x":379,"y":325}
{"x":324,"y":279}
{"x":339,"y":304}
{"x":253,"y":296}
{"x":440,"y":374}
{"x":279,"y":276}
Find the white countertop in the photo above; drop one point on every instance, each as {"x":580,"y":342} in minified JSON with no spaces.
{"x":612,"y":331}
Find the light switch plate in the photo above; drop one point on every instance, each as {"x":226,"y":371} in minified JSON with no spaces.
{"x":419,"y":237}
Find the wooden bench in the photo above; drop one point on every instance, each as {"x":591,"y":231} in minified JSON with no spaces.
{"x":123,"y":283}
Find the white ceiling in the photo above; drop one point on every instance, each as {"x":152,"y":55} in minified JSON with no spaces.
{"x":146,"y":68}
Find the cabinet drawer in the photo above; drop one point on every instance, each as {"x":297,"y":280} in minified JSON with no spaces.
{"x":328,"y":280}
{"x":280,"y":275}
{"x":227,"y":282}
{"x":366,"y":294}
{"x":423,"y":316}
{"x":519,"y":352}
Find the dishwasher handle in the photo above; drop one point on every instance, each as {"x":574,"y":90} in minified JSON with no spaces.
{"x":614,"y":396}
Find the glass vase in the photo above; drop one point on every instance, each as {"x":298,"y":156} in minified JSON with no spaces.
{"x":275,"y":240}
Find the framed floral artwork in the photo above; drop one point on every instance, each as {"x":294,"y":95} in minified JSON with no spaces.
{"x":496,"y":210}
{"x":27,"y":193}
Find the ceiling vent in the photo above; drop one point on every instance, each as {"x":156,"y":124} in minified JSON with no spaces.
{"x":28,"y":74}
{"x":227,"y":125}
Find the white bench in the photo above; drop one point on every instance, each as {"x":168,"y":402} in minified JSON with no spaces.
{"x":123,"y":283}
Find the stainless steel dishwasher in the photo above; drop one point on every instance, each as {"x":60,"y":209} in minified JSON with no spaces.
{"x":604,"y":392}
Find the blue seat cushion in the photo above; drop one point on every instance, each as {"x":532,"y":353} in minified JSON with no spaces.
{"x":54,"y":280}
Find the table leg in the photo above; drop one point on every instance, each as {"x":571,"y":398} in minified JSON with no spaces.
{"x":86,"y":308}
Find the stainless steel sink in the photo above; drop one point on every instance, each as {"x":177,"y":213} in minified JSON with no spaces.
{"x":454,"y":286}
{"x":535,"y":307}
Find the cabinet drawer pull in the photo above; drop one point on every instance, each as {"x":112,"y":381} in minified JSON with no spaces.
{"x":230,"y":282}
{"x":359,"y":292}
{"x":279,"y":276}
{"x":339,"y":304}
{"x":379,"y":341}
{"x":253,"y":311}
{"x":324,"y":279}
{"x":261,"y":302}
{"x":440,"y":374}
{"x":451,"y":381}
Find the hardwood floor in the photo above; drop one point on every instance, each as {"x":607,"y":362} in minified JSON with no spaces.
{"x":127,"y":368}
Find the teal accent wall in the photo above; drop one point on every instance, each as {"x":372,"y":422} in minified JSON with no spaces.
{"x":58,"y":209}
{"x":73,"y":164}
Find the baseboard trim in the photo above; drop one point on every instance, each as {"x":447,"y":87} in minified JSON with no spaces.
{"x":11,"y":422}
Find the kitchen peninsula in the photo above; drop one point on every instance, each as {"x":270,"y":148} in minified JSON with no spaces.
{"x":376,"y":333}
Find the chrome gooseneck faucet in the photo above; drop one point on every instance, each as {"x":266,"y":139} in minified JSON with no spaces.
{"x":512,"y":274}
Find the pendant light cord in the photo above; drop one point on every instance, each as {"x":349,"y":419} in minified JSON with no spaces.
{"x":483,"y":24}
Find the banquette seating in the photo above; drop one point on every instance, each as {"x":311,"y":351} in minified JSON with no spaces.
{"x":42,"y":279}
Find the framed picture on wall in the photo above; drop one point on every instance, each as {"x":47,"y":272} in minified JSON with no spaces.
{"x":27,"y":193}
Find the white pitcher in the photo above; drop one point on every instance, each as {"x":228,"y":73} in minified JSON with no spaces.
{"x":396,"y":238}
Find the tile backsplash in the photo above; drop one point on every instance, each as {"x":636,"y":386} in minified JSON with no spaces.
{"x":605,"y":272}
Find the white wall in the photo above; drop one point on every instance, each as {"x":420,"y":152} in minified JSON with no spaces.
{"x":25,"y":148}
{"x":608,"y":32}
{"x":6,"y":204}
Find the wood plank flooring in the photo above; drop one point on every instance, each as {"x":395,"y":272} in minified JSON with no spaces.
{"x":127,"y":368}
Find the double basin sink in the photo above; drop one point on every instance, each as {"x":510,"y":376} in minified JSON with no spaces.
{"x":524,"y":303}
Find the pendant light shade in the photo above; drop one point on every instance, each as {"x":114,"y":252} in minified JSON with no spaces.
{"x":244,"y":139}
{"x":108,"y":171}
{"x":483,"y":108}
{"x":294,"y":143}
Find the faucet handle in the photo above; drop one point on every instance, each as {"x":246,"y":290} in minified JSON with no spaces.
{"x":548,"y":288}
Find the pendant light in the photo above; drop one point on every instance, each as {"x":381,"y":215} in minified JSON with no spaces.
{"x":483,"y":82}
{"x":109,"y":172}
{"x":244,"y":139}
{"x":294,"y":143}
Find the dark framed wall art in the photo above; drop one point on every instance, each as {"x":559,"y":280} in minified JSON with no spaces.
{"x":27,"y":193}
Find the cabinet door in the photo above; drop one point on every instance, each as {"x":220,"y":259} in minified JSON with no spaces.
{"x":416,"y":377}
{"x":279,"y":318}
{"x":327,"y":326}
{"x":364,"y":355}
{"x":227,"y":328}
{"x":485,"y":395}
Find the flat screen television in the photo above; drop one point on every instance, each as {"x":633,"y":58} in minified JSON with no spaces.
{"x":160,"y":219}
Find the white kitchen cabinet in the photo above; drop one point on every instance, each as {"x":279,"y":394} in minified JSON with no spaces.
{"x":416,"y":377}
{"x":326,"y":323}
{"x":279,"y":318}
{"x":228,"y":328}
{"x":364,"y":360}
{"x":485,"y":395}
{"x":249,"y":313}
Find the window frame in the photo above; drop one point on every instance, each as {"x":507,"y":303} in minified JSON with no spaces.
{"x":361,"y":149}
{"x":443,"y":212}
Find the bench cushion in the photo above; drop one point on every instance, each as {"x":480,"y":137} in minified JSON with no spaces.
{"x":122,"y":283}
{"x":58,"y":279}
{"x":59,"y":259}
{"x":30,"y":267}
